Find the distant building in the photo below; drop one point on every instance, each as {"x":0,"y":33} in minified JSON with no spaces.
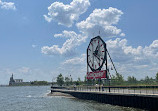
{"x":12,"y":81}
{"x":17,"y":82}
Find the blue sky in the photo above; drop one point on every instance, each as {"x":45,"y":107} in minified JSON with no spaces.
{"x":40,"y":39}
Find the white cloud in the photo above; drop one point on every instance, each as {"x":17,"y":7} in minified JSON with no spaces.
{"x":121,"y":45}
{"x":139,"y":61}
{"x":66,"y":14}
{"x":76,"y":60}
{"x":122,"y":34}
{"x":34,"y":46}
{"x":102,"y":21}
{"x":48,"y":19}
{"x":69,"y":45}
{"x":152,"y":50}
{"x":7,"y":5}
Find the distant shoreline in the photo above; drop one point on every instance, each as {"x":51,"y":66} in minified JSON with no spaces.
{"x":4,"y":85}
{"x":21,"y":85}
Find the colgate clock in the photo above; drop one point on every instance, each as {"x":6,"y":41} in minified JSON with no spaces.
{"x":96,"y":54}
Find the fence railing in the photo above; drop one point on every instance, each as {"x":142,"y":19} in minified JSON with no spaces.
{"x":144,"y":90}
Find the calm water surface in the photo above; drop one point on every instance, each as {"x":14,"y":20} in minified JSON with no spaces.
{"x":35,"y":99}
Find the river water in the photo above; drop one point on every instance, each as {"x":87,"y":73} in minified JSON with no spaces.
{"x":34,"y":98}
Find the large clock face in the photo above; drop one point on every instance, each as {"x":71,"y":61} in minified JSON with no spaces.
{"x":96,"y":53}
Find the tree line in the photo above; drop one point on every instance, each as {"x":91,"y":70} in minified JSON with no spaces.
{"x":67,"y":81}
{"x":115,"y":80}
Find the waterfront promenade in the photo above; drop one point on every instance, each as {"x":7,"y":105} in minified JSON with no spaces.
{"x":137,"y":90}
{"x":137,"y":97}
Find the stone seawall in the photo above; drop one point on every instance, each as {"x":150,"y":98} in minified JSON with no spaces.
{"x":127,"y":100}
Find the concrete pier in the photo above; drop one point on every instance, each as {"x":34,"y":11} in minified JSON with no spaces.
{"x":128,"y":100}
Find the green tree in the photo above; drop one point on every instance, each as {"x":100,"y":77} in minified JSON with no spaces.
{"x":78,"y":81}
{"x":156,"y":77}
{"x":88,"y":81}
{"x":39,"y":83}
{"x":60,"y":80}
{"x":117,"y":80}
{"x":85,"y":80}
{"x":148,"y":80}
{"x":131,"y":80}
{"x":113,"y":80}
{"x":67,"y":81}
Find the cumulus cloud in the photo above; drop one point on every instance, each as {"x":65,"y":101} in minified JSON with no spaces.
{"x":73,"y":40}
{"x":7,"y":5}
{"x":66,"y":14}
{"x":139,"y":61}
{"x":76,"y":60}
{"x":123,"y":47}
{"x":102,"y":21}
{"x":152,"y":50}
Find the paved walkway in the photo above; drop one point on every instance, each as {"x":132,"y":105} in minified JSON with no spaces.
{"x":143,"y":92}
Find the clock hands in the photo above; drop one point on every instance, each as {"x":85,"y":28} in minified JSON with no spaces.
{"x":95,"y":53}
{"x":96,"y":50}
{"x":96,"y":56}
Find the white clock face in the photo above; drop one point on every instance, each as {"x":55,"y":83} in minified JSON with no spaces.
{"x":96,"y":53}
